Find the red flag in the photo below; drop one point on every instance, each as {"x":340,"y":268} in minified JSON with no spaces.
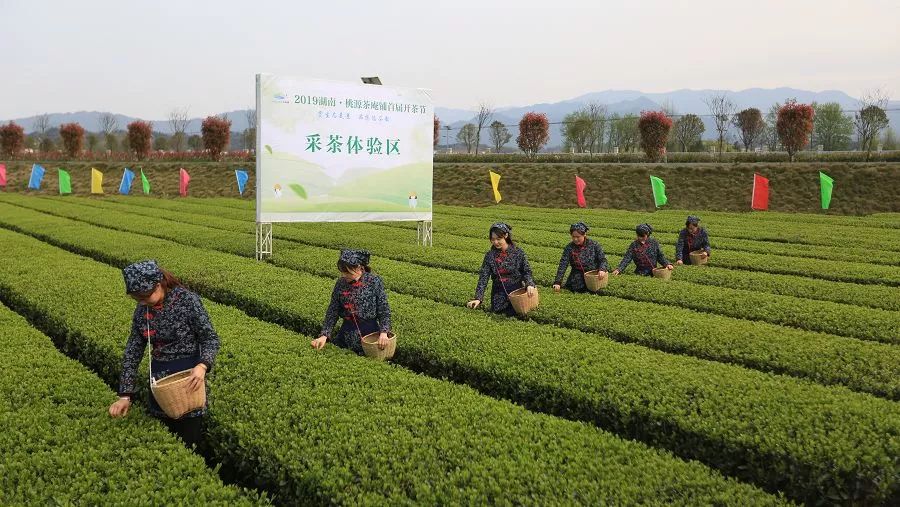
{"x":580,"y":185}
{"x":760,"y":193}
{"x":2,"y":175}
{"x":185,"y":179}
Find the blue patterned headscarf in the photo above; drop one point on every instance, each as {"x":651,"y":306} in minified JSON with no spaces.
{"x":581,"y":227}
{"x":501,"y":227}
{"x":643,"y":230}
{"x":141,"y":277}
{"x":692,"y":219}
{"x":354,"y":257}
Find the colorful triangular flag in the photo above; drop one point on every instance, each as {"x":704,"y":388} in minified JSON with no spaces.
{"x":184,"y":180}
{"x":127,"y":179}
{"x":580,"y":185}
{"x":242,"y":178}
{"x":659,"y":191}
{"x":96,"y":181}
{"x":145,"y":183}
{"x":37,"y":175}
{"x":495,"y":184}
{"x":65,"y":182}
{"x":760,"y":199}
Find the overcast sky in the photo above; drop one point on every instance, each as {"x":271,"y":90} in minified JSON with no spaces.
{"x":145,"y":58}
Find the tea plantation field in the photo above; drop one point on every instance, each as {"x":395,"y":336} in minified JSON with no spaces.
{"x":769,"y":377}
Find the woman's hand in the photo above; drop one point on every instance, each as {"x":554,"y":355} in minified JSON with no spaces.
{"x":473,"y":304}
{"x":120,"y":407}
{"x":679,"y":262}
{"x":601,"y":274}
{"x":319,"y":343}
{"x":197,"y":378}
{"x":556,"y":288}
{"x":382,"y":341}
{"x":615,"y":272}
{"x":531,"y":291}
{"x":670,"y":267}
{"x":706,"y":254}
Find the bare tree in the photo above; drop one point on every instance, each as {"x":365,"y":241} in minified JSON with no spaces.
{"x":178,"y":122}
{"x":871,"y":119}
{"x":596,"y":114}
{"x":687,"y":131}
{"x":42,"y":125}
{"x":485,"y":113}
{"x":499,"y":135}
{"x":250,"y":133}
{"x":108,"y":125}
{"x":722,"y":109}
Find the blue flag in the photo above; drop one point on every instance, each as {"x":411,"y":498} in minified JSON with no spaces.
{"x":242,"y":178}
{"x":127,"y":178}
{"x":37,"y":174}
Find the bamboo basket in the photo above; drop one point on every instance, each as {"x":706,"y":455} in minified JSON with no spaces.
{"x":595,"y":282}
{"x":370,"y":346}
{"x":662,"y":273}
{"x":173,"y":396}
{"x":697,"y":258}
{"x":521,"y":303}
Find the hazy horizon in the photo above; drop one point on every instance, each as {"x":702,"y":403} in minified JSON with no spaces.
{"x":145,"y":60}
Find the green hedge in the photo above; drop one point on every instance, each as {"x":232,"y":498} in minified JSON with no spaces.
{"x":332,"y":428}
{"x":552,"y":233}
{"x":791,"y":229}
{"x":200,"y":211}
{"x":672,"y":157}
{"x":828,"y":359}
{"x":834,"y":318}
{"x":835,"y":444}
{"x":58,"y":445}
{"x":862,"y":366}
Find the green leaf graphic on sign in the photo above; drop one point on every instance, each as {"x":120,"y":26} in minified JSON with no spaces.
{"x":299,"y":190}
{"x":269,"y":149}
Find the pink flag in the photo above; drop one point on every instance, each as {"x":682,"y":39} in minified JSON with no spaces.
{"x":580,"y":185}
{"x":185,"y":179}
{"x":2,"y":175}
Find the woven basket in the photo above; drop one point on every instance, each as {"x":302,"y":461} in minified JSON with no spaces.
{"x":697,"y":258}
{"x":595,"y":282}
{"x":662,"y":273}
{"x":174,"y":397}
{"x":370,"y":346}
{"x":520,"y":301}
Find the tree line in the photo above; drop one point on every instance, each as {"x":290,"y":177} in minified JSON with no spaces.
{"x":137,"y":138}
{"x":592,"y":129}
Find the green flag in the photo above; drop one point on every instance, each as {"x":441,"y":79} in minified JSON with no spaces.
{"x":826,"y":185}
{"x":65,"y":182}
{"x":659,"y":191}
{"x":145,"y":182}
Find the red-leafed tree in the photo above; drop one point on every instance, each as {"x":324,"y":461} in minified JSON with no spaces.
{"x":72,"y":135}
{"x":654,"y":127}
{"x":794,"y":125}
{"x":534,"y":132}
{"x":12,"y":139}
{"x":437,"y":130}
{"x":216,"y":134}
{"x":140,"y":138}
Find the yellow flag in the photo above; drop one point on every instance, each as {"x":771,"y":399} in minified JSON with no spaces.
{"x":495,"y":182}
{"x":96,"y":181}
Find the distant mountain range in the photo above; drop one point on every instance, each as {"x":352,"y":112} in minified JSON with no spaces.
{"x":617,"y":101}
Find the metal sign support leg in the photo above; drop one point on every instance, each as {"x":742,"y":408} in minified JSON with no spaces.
{"x":424,"y":234}
{"x":263,"y":240}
